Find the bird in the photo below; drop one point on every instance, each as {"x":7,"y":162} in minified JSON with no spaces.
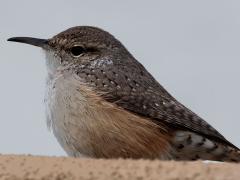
{"x":101,"y":102}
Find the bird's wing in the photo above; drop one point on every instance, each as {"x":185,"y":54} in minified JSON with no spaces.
{"x":132,"y":87}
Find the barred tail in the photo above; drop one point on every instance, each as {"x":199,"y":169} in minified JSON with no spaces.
{"x":191,"y":146}
{"x":232,"y":155}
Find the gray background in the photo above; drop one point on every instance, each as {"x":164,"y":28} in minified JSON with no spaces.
{"x":191,"y":47}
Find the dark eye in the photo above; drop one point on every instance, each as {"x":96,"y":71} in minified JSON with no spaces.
{"x":77,"y":50}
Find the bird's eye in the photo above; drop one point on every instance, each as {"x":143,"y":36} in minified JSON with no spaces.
{"x":77,"y":50}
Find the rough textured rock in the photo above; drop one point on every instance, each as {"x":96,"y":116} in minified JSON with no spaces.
{"x":36,"y":167}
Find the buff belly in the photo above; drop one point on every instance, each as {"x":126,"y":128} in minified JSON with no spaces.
{"x":86,"y":125}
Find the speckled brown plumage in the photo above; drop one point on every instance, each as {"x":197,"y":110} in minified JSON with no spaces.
{"x":106,"y":67}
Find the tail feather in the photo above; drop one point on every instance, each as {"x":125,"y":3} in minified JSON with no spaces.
{"x":191,"y":146}
{"x":233,"y":155}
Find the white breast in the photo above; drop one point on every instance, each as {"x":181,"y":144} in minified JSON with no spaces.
{"x":69,"y":114}
{"x":64,"y":106}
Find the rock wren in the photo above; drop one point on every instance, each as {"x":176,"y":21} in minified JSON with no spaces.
{"x":102,"y":103}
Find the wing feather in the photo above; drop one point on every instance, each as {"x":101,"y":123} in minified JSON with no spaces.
{"x":130,"y":86}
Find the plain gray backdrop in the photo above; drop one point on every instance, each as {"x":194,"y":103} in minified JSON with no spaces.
{"x":191,"y":47}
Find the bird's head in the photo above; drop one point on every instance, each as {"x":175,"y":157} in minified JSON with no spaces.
{"x":77,"y":46}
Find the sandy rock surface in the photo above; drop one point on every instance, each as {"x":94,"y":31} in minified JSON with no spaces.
{"x":45,"y":168}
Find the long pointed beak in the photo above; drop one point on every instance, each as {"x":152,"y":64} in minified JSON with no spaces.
{"x":29,"y":40}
